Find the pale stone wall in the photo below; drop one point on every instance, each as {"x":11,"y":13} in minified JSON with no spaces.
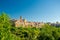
{"x":23,"y":23}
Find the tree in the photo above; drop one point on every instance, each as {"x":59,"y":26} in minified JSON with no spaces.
{"x":5,"y":26}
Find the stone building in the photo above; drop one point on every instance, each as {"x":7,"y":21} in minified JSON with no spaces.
{"x":24,"y":23}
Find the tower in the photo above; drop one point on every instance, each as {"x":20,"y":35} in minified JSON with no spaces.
{"x":20,"y":17}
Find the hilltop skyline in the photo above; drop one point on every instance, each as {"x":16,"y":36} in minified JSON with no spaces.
{"x":32,"y":10}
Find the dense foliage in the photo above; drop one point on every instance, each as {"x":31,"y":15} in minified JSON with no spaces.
{"x":5,"y":26}
{"x":7,"y":32}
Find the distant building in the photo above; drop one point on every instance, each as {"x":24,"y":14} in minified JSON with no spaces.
{"x":55,"y":24}
{"x":25,"y":23}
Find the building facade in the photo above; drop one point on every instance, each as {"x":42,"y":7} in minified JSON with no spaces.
{"x":24,"y":23}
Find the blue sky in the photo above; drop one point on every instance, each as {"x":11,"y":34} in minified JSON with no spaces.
{"x":32,"y":10}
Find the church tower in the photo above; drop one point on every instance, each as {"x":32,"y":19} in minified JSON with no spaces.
{"x":21,"y":19}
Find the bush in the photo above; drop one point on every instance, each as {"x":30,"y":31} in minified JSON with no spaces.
{"x":7,"y":32}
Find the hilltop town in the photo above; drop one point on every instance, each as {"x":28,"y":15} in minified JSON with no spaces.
{"x":24,"y":23}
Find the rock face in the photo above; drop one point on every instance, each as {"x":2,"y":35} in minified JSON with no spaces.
{"x":25,"y":23}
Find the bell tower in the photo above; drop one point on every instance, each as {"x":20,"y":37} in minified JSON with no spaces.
{"x":20,"y":18}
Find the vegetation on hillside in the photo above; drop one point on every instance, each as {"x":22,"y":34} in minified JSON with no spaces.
{"x":8,"y":32}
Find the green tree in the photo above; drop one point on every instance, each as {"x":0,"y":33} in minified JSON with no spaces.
{"x":5,"y":27}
